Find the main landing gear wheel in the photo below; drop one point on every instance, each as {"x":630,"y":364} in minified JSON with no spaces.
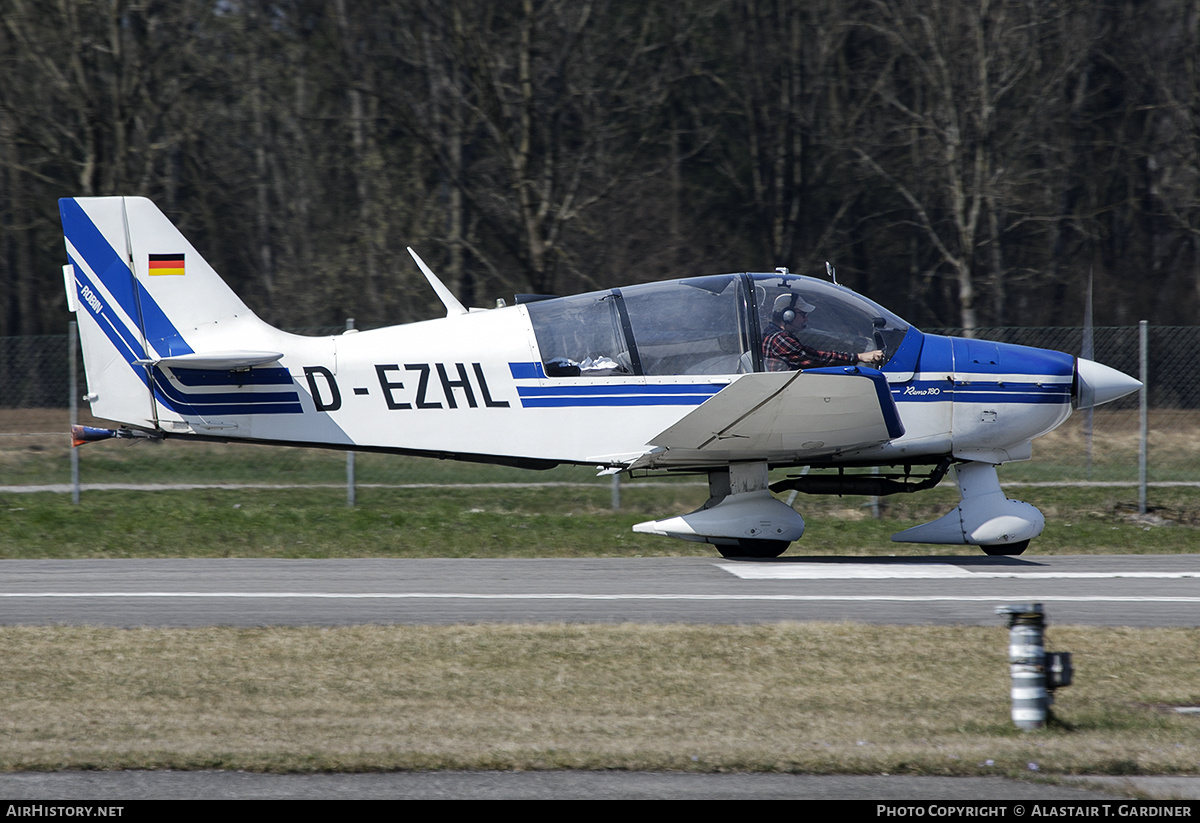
{"x":755,"y":548}
{"x":1007,"y":550}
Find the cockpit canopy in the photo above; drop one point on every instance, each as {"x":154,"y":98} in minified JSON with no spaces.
{"x":700,"y":325}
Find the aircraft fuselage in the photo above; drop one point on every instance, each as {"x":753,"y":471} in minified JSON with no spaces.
{"x":727,"y":374}
{"x":474,"y":386}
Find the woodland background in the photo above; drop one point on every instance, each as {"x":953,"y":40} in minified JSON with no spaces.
{"x":967,"y":163}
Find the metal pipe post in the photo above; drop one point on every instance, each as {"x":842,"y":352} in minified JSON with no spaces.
{"x":1027,"y":663}
{"x":351,"y":469}
{"x":1143,"y":410}
{"x":73,"y":377}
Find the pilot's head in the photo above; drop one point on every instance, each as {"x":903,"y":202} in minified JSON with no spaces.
{"x":790,"y":308}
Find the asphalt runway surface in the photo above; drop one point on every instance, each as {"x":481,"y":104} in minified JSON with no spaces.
{"x":1143,"y":591}
{"x":575,"y":785}
{"x":1076,"y":590}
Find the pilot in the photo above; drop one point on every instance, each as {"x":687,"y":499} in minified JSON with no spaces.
{"x":783,"y":351}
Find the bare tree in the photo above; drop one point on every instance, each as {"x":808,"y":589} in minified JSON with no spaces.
{"x":1164,"y":58}
{"x":972,"y":159}
{"x":104,"y":115}
{"x":967,"y":87}
{"x":536,"y":122}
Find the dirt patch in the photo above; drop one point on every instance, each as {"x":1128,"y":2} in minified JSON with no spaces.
{"x":43,"y":421}
{"x":1158,"y":515}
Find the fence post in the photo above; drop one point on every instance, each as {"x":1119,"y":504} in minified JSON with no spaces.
{"x":351,"y":488}
{"x":73,"y":390}
{"x":1143,"y":406}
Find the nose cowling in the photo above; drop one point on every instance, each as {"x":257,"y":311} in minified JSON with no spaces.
{"x":1096,"y":383}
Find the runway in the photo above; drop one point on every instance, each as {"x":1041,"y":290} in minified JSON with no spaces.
{"x":1075,"y":590}
{"x":1162,"y":590}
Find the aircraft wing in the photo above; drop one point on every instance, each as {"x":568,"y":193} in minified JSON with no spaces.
{"x":781,"y":417}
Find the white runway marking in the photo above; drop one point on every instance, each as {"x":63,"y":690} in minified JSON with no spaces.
{"x":578,"y":596}
{"x":931,"y":571}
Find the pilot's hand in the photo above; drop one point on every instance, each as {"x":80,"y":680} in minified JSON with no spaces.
{"x":873,"y":358}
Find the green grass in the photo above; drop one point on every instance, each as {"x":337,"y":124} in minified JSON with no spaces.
{"x":525,"y":521}
{"x":814,"y":698}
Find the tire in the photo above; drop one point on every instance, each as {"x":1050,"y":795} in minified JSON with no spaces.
{"x":755,"y":548}
{"x":1007,"y":550}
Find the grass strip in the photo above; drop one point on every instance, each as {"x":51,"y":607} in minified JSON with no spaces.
{"x":814,"y":698}
{"x":559,"y":521}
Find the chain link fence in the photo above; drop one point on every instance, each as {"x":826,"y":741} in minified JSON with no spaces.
{"x":1104,"y":447}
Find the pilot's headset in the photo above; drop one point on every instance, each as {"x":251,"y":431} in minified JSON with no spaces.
{"x":787,"y":305}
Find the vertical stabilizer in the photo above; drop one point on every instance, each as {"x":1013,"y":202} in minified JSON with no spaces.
{"x":141,"y":293}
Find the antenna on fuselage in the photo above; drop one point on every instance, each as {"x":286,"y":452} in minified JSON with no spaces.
{"x":831,"y":271}
{"x":444,"y":294}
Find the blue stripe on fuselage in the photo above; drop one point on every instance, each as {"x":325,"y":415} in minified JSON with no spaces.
{"x":615,"y":400}
{"x":567,"y":395}
{"x":939,"y":391}
{"x":706,"y":389}
{"x":526,"y":371}
{"x":253,"y":377}
{"x":672,"y":394}
{"x":205,"y":398}
{"x":244,"y":402}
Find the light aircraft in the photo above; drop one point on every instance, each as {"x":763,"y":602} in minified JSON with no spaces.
{"x":660,"y":377}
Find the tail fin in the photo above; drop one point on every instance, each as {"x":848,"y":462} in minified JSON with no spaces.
{"x":144,"y":297}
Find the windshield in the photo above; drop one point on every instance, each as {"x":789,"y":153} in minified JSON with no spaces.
{"x":701,"y":325}
{"x":837,"y":319}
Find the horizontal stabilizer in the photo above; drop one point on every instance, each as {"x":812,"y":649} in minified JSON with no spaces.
{"x":216,"y":361}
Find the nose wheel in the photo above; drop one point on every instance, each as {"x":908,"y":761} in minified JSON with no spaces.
{"x":758,"y":549}
{"x":984,"y":517}
{"x":1008,"y":550}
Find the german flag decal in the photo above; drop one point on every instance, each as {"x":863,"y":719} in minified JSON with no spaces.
{"x":166,"y":264}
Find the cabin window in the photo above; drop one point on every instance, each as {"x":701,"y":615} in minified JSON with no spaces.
{"x":694,"y":326}
{"x":581,"y":335}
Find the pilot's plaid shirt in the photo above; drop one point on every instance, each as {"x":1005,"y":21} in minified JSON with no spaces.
{"x":783,"y":352}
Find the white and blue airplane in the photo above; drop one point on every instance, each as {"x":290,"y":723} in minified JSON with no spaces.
{"x":677,"y":376}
